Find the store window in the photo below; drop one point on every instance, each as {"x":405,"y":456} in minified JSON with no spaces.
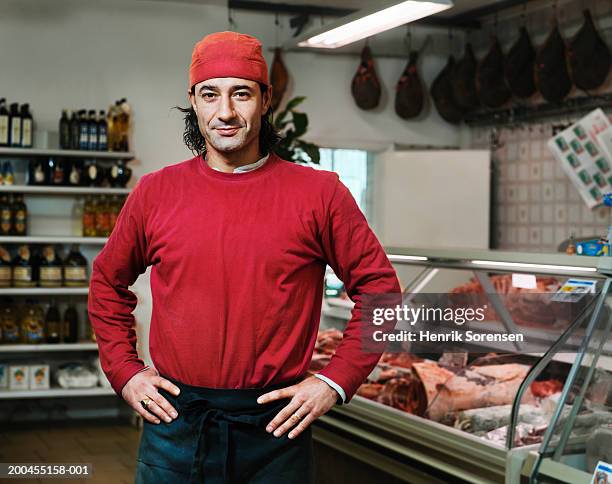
{"x":353,"y":167}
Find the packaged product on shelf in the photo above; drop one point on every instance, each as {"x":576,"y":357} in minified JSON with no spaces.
{"x":19,"y":377}
{"x":27,"y":127}
{"x":4,"y":376}
{"x":115,"y":207}
{"x":92,"y":139}
{"x":119,"y":174}
{"x":89,"y":217}
{"x":75,"y":175}
{"x":11,"y":333}
{"x":37,"y":172}
{"x":20,"y":215}
{"x":75,"y":131}
{"x":8,"y":173}
{"x":103,"y":210}
{"x":83,"y":130}
{"x":4,"y":123}
{"x":6,"y":268}
{"x":39,"y":377}
{"x":75,"y":268}
{"x":94,"y":173}
{"x":50,"y":268}
{"x":6,"y":215}
{"x":102,"y":132}
{"x":77,"y":217}
{"x":76,"y":375}
{"x":58,"y":174}
{"x":53,"y":324}
{"x":101,"y":375}
{"x":33,"y":325}
{"x":64,"y":130}
{"x":23,"y":268}
{"x":14,"y":126}
{"x":70,"y":325}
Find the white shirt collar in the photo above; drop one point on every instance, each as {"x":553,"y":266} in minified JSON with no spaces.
{"x":249,"y":167}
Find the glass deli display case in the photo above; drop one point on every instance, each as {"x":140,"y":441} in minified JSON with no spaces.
{"x":522,"y":394}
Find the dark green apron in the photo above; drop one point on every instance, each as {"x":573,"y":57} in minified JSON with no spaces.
{"x":219,"y":437}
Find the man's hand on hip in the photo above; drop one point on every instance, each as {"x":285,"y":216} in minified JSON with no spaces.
{"x":143,"y":386}
{"x":310,"y":399}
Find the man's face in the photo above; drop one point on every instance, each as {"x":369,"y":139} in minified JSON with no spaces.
{"x":229,"y":111}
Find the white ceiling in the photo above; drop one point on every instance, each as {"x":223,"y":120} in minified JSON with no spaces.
{"x":460,"y":5}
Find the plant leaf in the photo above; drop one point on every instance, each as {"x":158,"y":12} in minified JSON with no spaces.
{"x":300,"y":121}
{"x":294,"y":102}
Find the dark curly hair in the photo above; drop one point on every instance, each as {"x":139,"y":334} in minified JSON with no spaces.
{"x":268,"y":135}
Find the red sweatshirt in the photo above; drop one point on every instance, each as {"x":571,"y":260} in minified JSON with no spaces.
{"x":237,"y":277}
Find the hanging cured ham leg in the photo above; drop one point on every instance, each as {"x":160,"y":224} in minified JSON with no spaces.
{"x":519,"y":66}
{"x":365,"y":87}
{"x":552,"y":76}
{"x":410,"y":95}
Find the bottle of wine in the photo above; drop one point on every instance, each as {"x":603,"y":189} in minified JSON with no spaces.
{"x":70,"y":325}
{"x":53,"y":324}
{"x":50,"y":269}
{"x":27,"y":126}
{"x":23,"y":268}
{"x":102,"y":132}
{"x":75,"y":268}
{"x":75,"y":131}
{"x":83,"y":130}
{"x":6,"y":267}
{"x":64,"y":130}
{"x":14,"y":126}
{"x":4,"y":123}
{"x":92,"y":143}
{"x":20,"y":215}
{"x":6,"y":215}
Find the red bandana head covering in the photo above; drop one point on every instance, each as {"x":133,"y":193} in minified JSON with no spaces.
{"x":228,"y":54}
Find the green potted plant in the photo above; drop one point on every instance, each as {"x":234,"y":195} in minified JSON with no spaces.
{"x":291,"y":147}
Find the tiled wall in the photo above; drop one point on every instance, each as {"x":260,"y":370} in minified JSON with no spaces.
{"x":535,"y":207}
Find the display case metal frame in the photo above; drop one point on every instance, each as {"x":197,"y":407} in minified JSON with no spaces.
{"x":433,"y":445}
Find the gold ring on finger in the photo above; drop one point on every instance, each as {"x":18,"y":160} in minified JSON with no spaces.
{"x":296,"y":417}
{"x":145,"y":402}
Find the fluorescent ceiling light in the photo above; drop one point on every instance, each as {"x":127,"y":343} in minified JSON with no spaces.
{"x":363,"y":24}
{"x":393,"y":257}
{"x":523,"y":265}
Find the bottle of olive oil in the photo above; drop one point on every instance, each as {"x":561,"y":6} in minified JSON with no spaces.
{"x":53,"y":324}
{"x":50,"y":268}
{"x":27,"y":126}
{"x":64,"y":130}
{"x":89,"y":217}
{"x":6,"y":215}
{"x":11,"y":331}
{"x":20,"y":216}
{"x":23,"y":268}
{"x":4,"y":123}
{"x":75,"y":268}
{"x":32,"y":325}
{"x":14,"y":126}
{"x":6,"y":268}
{"x":70,"y":325}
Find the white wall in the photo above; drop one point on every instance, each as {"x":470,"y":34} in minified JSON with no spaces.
{"x":84,"y":53}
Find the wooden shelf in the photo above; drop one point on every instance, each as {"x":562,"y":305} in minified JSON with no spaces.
{"x":37,"y":152}
{"x":44,"y":291}
{"x":51,"y":239}
{"x":61,"y":190}
{"x":56,"y":393}
{"x":43,"y":348}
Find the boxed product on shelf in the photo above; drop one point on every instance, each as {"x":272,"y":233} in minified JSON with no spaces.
{"x":4,"y":370}
{"x":39,"y":377}
{"x":19,"y":377}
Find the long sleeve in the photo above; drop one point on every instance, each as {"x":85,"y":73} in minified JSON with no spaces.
{"x":357,"y":257}
{"x":111,"y":303}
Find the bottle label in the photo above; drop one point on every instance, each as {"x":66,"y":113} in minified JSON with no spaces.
{"x":51,"y":274}
{"x":22,"y":274}
{"x":39,"y":174}
{"x":20,"y":222}
{"x":75,"y":176}
{"x":5,"y":221}
{"x":5,"y":274}
{"x":26,"y":140}
{"x":4,"y":130}
{"x":16,"y":132}
{"x":34,"y":332}
{"x":75,"y":274}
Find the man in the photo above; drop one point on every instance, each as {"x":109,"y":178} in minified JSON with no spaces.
{"x":239,"y":240}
